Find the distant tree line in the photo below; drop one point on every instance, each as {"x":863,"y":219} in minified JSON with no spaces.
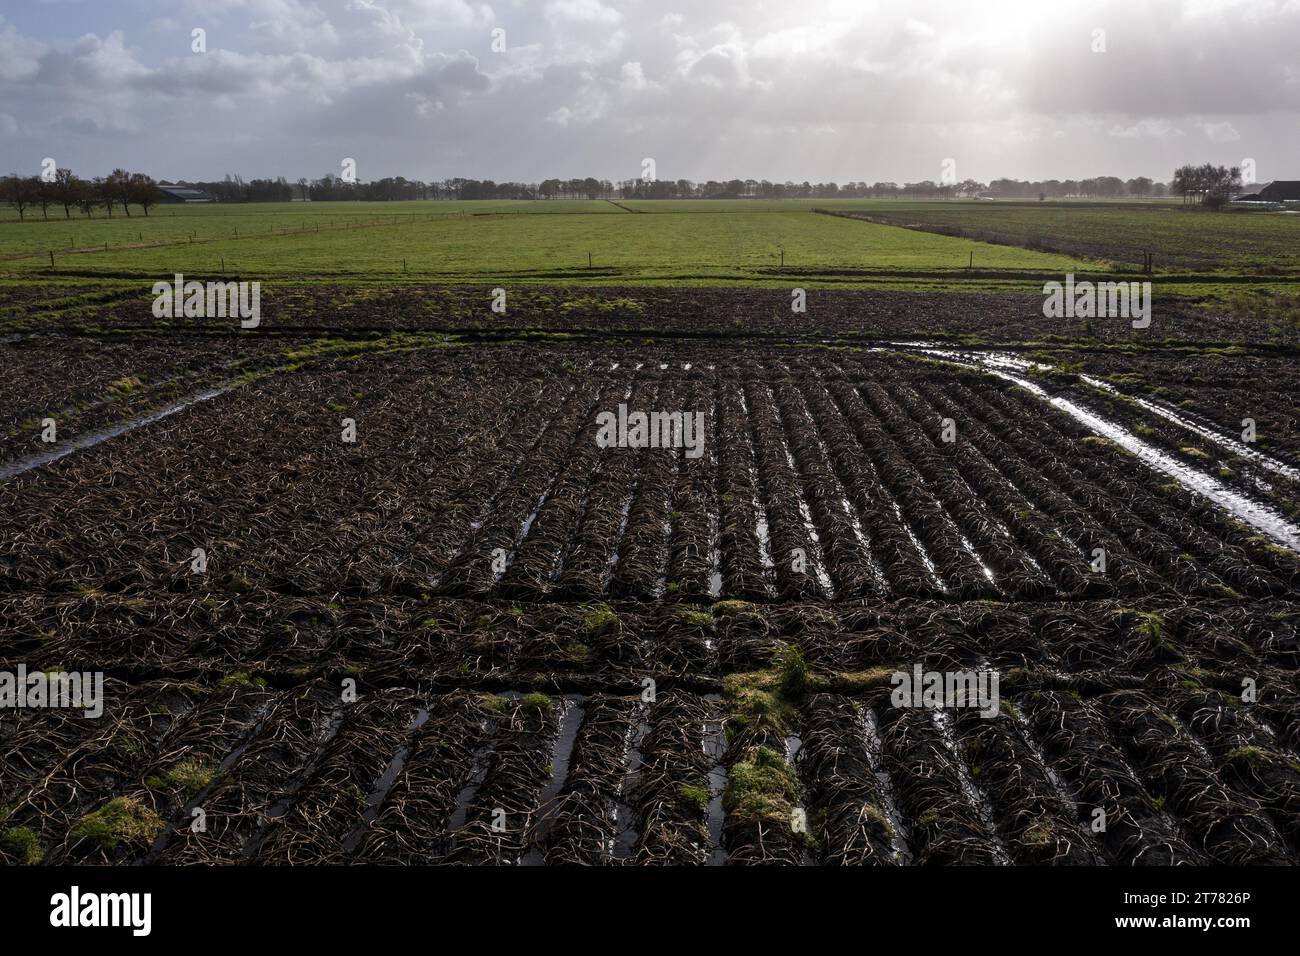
{"x":1100,"y":187}
{"x":1207,"y":184}
{"x":235,"y":189}
{"x":64,"y":189}
{"x":331,"y":188}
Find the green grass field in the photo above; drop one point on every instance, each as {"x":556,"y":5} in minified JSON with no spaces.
{"x":672,"y":243}
{"x":689,"y":242}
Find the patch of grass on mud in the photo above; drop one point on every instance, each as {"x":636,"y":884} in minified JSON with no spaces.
{"x":765,"y":702}
{"x":770,"y":697}
{"x":619,"y":306}
{"x":1244,"y":756}
{"x":599,"y":620}
{"x":125,"y":386}
{"x":697,"y":796}
{"x":241,"y":679}
{"x":755,"y":708}
{"x":24,"y":843}
{"x":1151,"y":624}
{"x":539,"y":702}
{"x":733,"y":608}
{"x":793,"y":675}
{"x":121,"y":820}
{"x":761,"y":787}
{"x":190,"y":775}
{"x":698,"y":618}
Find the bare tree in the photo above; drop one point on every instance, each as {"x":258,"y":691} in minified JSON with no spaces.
{"x":19,"y":192}
{"x":105,"y":194}
{"x":144,"y":192}
{"x":87,"y":197}
{"x":44,"y":196}
{"x":67,"y":190}
{"x":118,"y":184}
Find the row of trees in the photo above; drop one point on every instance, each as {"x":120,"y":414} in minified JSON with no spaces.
{"x":1100,"y":187}
{"x":331,"y":187}
{"x":1208,"y":184}
{"x":67,"y":190}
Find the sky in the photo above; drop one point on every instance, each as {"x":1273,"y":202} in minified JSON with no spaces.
{"x":817,"y":90}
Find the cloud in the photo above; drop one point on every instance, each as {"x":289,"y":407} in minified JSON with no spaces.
{"x":581,"y":11}
{"x":19,"y":55}
{"x":633,"y":76}
{"x":1153,"y":128}
{"x":822,"y":89}
{"x":1220,"y":132}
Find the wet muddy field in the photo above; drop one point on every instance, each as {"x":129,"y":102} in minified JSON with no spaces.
{"x":622,"y":311}
{"x":437,"y":620}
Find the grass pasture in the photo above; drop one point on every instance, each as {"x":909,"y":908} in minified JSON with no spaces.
{"x":696,"y":243}
{"x":490,"y":242}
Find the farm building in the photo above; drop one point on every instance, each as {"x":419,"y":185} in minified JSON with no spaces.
{"x":1279,"y":190}
{"x":184,"y":194}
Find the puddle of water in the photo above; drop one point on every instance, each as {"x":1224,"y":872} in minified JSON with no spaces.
{"x":888,"y":495}
{"x":874,"y":749}
{"x":715,"y":745}
{"x":1241,"y":449}
{"x":92,"y":438}
{"x":976,"y":796}
{"x":165,"y":838}
{"x":333,"y":724}
{"x":1027,"y":738}
{"x":975,"y":556}
{"x":815,"y":558}
{"x":715,"y":550}
{"x":626,"y":833}
{"x":1258,"y":516}
{"x":916,"y":543}
{"x":478,"y":771}
{"x":561,"y":754}
{"x":624,"y":515}
{"x":761,"y":529}
{"x":384,"y":784}
{"x":850,"y":512}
